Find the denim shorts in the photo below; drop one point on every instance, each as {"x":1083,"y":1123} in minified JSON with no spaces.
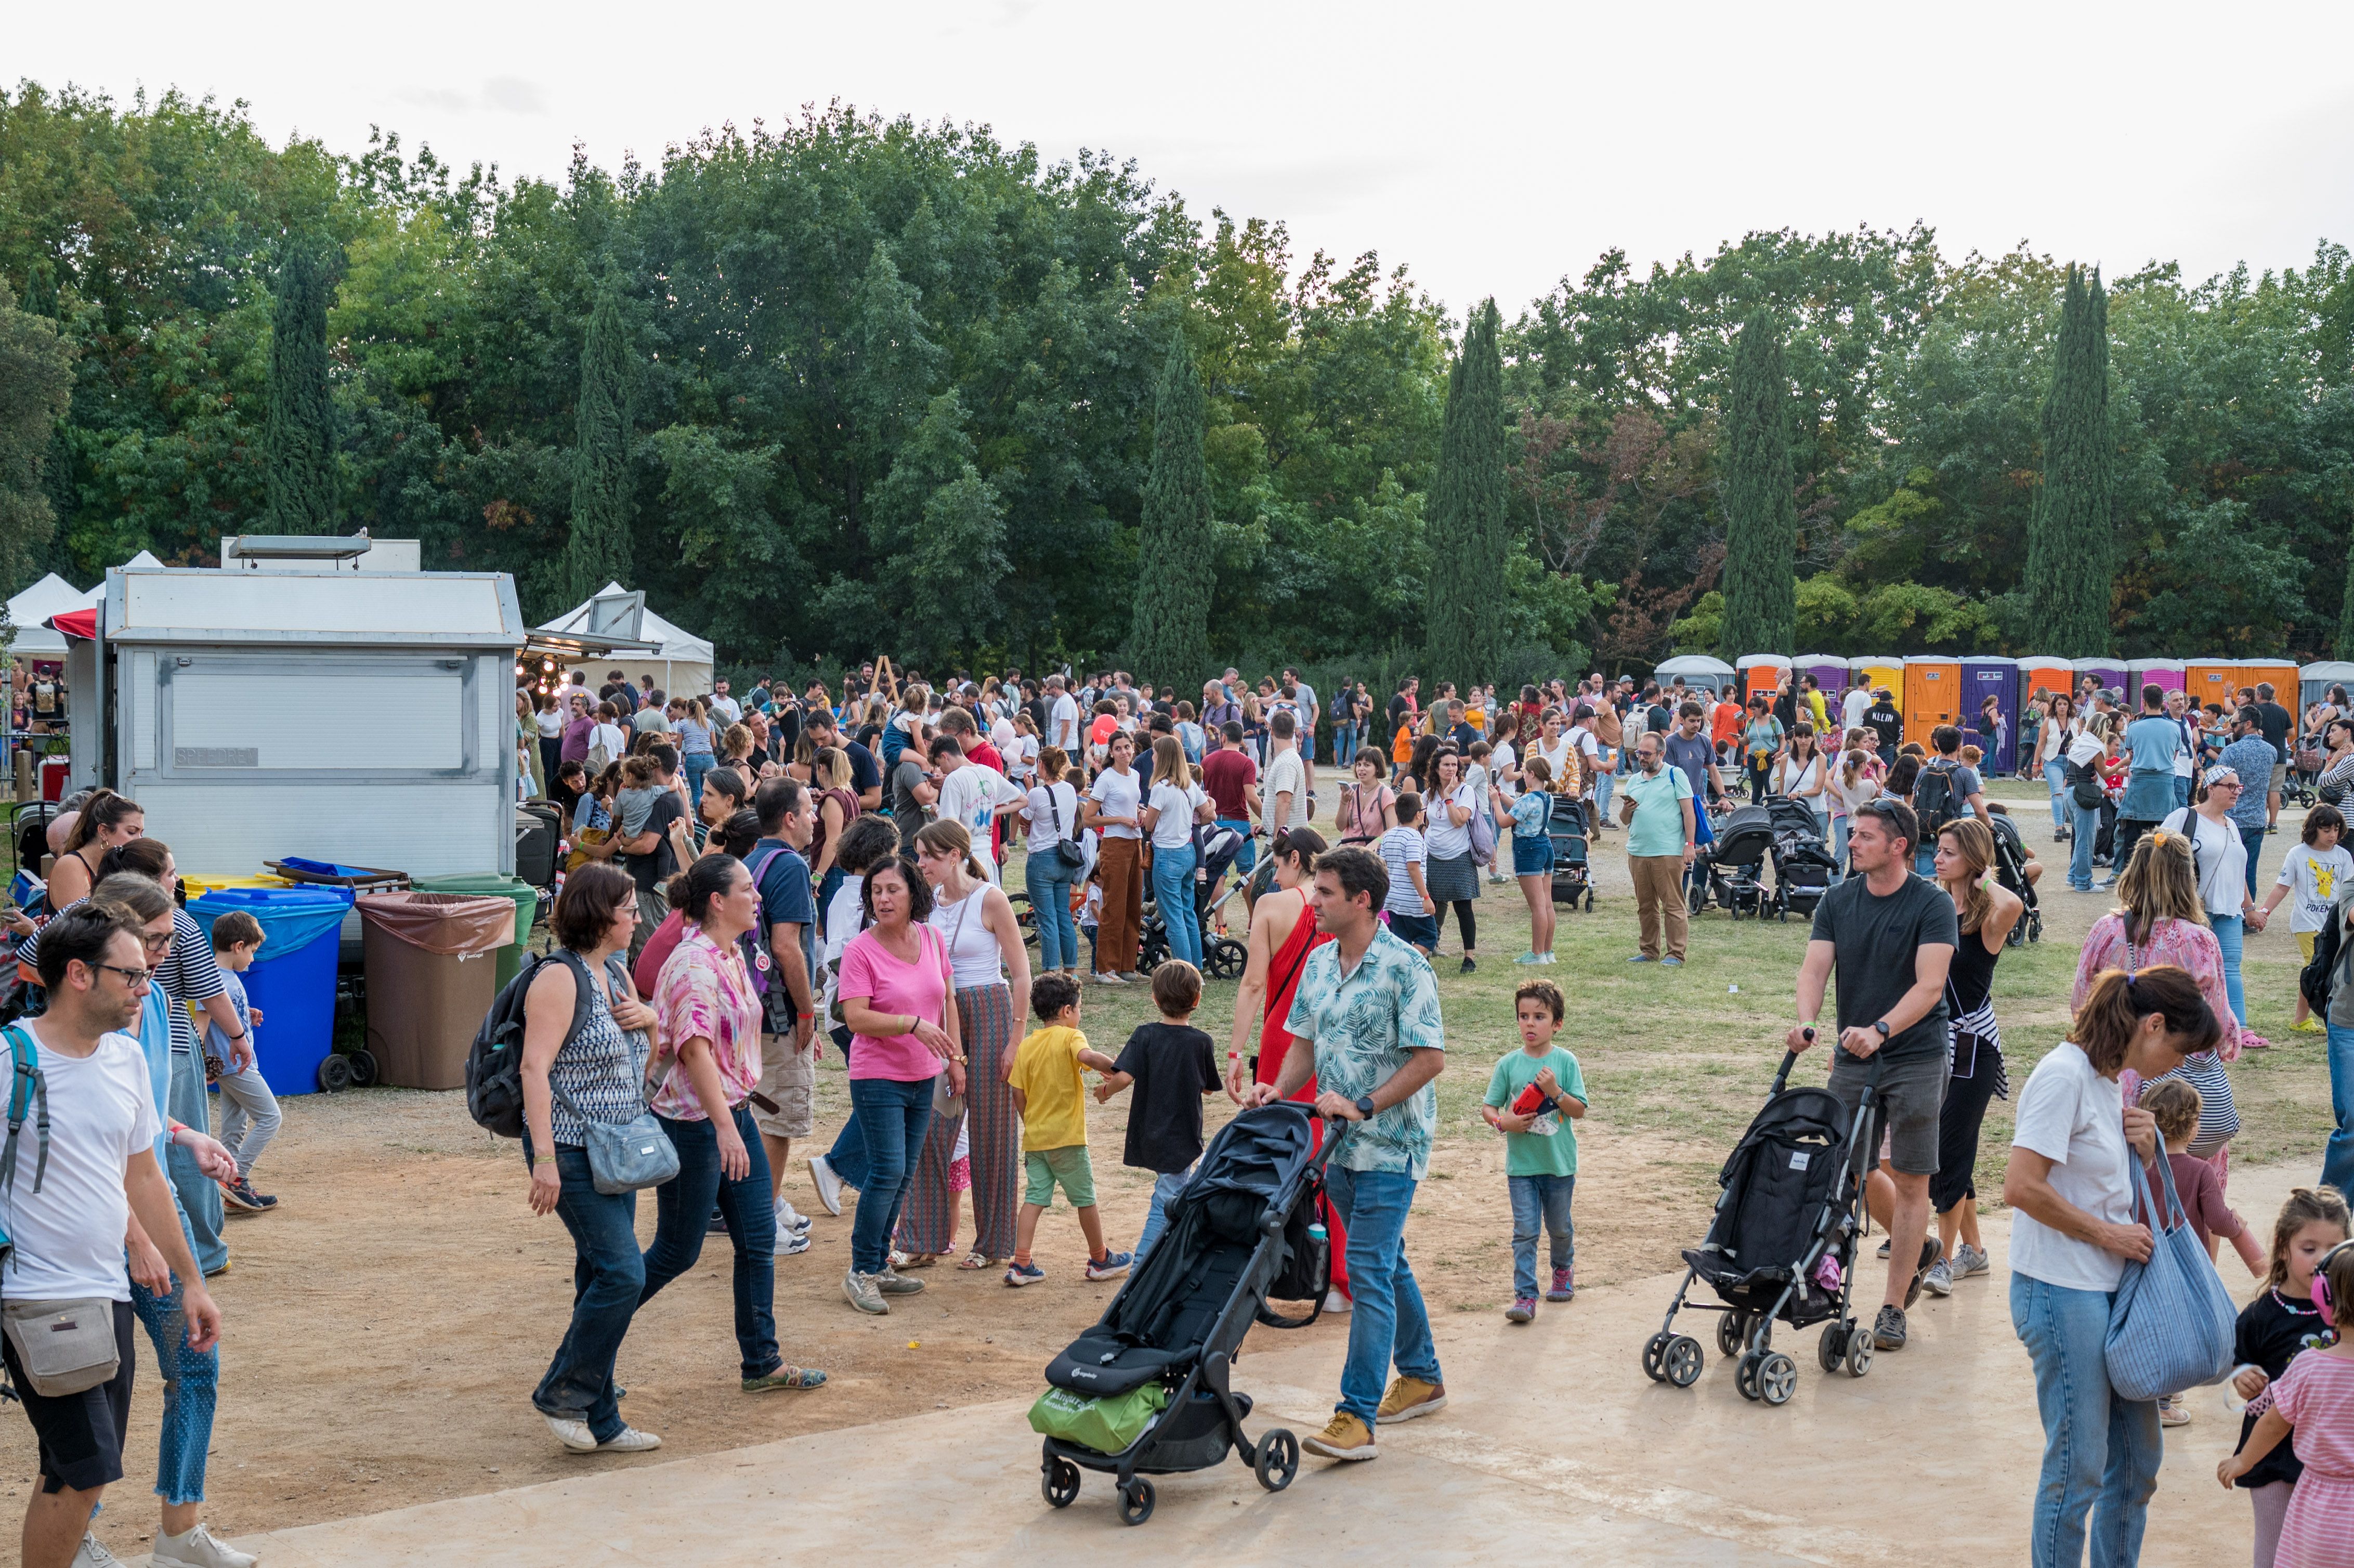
{"x":1067,"y":1165}
{"x":1415,"y":930}
{"x":1531,"y":856}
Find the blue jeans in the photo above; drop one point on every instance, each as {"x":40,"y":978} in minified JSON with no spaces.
{"x":1838,"y":847}
{"x":2100,"y":1451}
{"x":1541,"y":1202}
{"x":1601,"y":796}
{"x":2182,"y":798}
{"x":1389,"y":1322}
{"x":2230,"y":933}
{"x":892,"y":1117}
{"x":683,"y":1217}
{"x":200,"y":1195}
{"x":1246,"y":857}
{"x":2085,"y":827}
{"x":2055,"y":774}
{"x":190,"y":1389}
{"x":2338,"y":1158}
{"x":1344,"y":745}
{"x":1172,"y":890}
{"x":2254,"y":838}
{"x":1049,"y":882}
{"x":697,"y":766}
{"x":1165,"y":1188}
{"x":607,"y":1277}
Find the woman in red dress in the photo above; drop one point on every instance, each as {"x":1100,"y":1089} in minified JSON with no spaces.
{"x":1282,"y":931}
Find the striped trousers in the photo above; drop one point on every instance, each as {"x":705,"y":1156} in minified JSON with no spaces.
{"x":927,"y":1221}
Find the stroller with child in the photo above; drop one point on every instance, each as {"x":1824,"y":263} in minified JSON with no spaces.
{"x":1732,"y":871}
{"x":1573,"y":877}
{"x":1223,"y":958}
{"x":1803,"y":868}
{"x":1152,"y":1378}
{"x":2010,"y":859}
{"x":1782,"y":1246}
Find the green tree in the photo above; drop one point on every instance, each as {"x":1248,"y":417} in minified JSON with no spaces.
{"x":35,"y":389}
{"x":1468,"y":532}
{"x":1761,"y":514}
{"x":2070,"y":538}
{"x":602,"y":487}
{"x":1169,"y":638}
{"x":299,"y":445}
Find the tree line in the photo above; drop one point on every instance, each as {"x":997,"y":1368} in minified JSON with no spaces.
{"x":855,"y":384}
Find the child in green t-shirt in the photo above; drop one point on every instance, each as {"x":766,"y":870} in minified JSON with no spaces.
{"x":1533,"y":1097}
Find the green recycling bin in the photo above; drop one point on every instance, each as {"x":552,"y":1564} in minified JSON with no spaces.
{"x":527,"y":902}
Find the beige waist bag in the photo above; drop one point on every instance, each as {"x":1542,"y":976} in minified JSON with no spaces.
{"x":64,"y":1347}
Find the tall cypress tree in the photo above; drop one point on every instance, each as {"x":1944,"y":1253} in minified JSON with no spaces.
{"x":299,"y":447}
{"x":1169,"y":638}
{"x":1467,"y":535}
{"x":599,"y":550}
{"x":1761,"y":508}
{"x":2070,"y":535}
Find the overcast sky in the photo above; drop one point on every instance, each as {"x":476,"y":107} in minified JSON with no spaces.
{"x":1492,"y":147}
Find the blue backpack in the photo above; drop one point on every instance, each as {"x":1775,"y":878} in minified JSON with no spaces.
{"x":27,"y":1090}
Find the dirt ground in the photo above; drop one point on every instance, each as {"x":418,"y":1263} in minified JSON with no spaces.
{"x":386,"y":1324}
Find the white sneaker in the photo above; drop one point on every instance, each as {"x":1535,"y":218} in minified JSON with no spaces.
{"x":92,"y":1553}
{"x":197,"y":1549}
{"x":573,"y":1435}
{"x":789,"y":1218}
{"x":630,"y":1440}
{"x":828,"y":1184}
{"x":1334,"y":1301}
{"x":790,"y":1244}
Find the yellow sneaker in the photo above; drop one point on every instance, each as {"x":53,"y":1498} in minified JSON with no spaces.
{"x":1344,"y":1438}
{"x":1409,"y":1397}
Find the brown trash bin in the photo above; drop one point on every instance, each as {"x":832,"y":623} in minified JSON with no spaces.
{"x":432,"y":973}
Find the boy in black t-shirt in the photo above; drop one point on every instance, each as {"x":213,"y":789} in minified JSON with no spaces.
{"x":1171,"y":1065}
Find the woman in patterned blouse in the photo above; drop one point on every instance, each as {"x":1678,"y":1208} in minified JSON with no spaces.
{"x":710,"y":1019}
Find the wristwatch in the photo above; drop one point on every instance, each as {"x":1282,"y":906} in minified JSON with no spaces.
{"x":1365,"y":1107}
{"x":1883,"y":1026}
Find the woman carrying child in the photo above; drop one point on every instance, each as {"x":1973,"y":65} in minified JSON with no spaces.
{"x":2284,"y":1321}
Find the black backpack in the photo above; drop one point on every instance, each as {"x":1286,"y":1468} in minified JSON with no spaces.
{"x":1932,"y":799}
{"x":2314,"y":981}
{"x":494,"y":1062}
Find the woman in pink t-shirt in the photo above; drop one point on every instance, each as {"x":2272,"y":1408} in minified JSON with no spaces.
{"x":901,"y":1010}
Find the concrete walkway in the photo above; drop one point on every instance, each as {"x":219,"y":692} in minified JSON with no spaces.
{"x":1553,"y":1439}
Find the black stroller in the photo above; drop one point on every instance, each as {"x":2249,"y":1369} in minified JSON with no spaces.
{"x":1223,"y":958}
{"x":1573,"y":877}
{"x":1734,"y":870}
{"x":1802,"y":869}
{"x":1238,"y":1236}
{"x":2011,"y":870}
{"x":1793,"y":1196}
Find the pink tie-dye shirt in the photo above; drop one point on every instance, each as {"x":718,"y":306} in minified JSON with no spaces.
{"x":703,"y":990}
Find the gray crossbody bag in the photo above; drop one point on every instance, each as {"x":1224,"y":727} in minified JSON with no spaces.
{"x":63,"y":1347}
{"x":623,"y":1155}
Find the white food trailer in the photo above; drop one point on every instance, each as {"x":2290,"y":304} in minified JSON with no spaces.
{"x":363,"y":719}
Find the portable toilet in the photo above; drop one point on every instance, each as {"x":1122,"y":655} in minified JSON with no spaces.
{"x":2279,"y":673}
{"x":2215,"y":681}
{"x":1933,"y":697}
{"x":2313,"y":682}
{"x":2165,"y":673}
{"x":1830,"y":671}
{"x":1876,"y":674}
{"x":2057,"y":676}
{"x":1700,"y":672}
{"x":2107,"y":672}
{"x":1984,"y":677}
{"x":1760,"y":672}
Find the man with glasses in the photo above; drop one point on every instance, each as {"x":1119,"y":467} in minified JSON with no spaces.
{"x":1890,"y":935}
{"x":1656,"y":804}
{"x":2250,"y":755}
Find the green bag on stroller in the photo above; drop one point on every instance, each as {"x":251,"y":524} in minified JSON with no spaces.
{"x":1107,"y":1426}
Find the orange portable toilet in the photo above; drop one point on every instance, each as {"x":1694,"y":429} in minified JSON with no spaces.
{"x":2211,"y":680}
{"x":2057,"y":676}
{"x":1933,"y":697}
{"x":1760,"y":672}
{"x":2281,"y":672}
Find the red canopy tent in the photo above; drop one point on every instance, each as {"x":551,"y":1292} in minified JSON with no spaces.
{"x":82,"y":624}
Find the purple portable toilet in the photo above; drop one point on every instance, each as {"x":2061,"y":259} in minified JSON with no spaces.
{"x":1830,"y":671}
{"x":1996,"y":678}
{"x":2166,"y":674}
{"x":2107,"y":672}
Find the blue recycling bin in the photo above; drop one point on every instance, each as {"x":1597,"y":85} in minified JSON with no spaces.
{"x":292,"y":980}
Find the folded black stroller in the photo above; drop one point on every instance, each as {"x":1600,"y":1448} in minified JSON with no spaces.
{"x":1243,"y":1233}
{"x":1573,"y":875}
{"x":1792,"y":1199}
{"x":1802,"y":869}
{"x":2011,"y":870}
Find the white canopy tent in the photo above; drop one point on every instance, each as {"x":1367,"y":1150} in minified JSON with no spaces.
{"x":29,"y":611}
{"x":680,"y":662}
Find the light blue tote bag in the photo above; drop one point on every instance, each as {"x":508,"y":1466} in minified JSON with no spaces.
{"x":2171,"y":1326}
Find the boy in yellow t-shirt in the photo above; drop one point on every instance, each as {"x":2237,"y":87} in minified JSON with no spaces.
{"x":1049,"y":1090}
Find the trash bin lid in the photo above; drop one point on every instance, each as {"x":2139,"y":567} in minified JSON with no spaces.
{"x":455,"y":923}
{"x":291,"y":917}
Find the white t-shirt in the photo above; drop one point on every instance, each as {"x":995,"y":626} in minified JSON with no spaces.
{"x":1853,"y":706}
{"x":550,"y":722}
{"x":1589,"y":748}
{"x":69,"y":1236}
{"x":971,"y":795}
{"x":1285,"y":774}
{"x":2223,"y":857}
{"x":1063,"y":724}
{"x":1556,"y":756}
{"x":1446,"y":840}
{"x":1399,"y":848}
{"x":2314,"y":880}
{"x":1044,"y":809}
{"x":727,"y":708}
{"x":1118,"y":794}
{"x":1175,"y":828}
{"x":2074,"y":1118}
{"x":610,"y":737}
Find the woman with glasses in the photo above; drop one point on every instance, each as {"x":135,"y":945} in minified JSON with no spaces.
{"x":2221,"y":855}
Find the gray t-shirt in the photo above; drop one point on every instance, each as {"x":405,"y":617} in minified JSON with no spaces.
{"x":1694,"y":757}
{"x":1876,"y":940}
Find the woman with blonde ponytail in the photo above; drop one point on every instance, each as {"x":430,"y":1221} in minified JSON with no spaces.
{"x":1985,"y":911}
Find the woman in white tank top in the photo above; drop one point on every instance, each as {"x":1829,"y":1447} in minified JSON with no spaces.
{"x":989,"y":969}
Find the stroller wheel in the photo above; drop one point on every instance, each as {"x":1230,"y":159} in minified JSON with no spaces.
{"x":1776,"y":1379}
{"x":1859,"y":1351}
{"x":1745,"y":1375}
{"x":1732,"y":1332}
{"x":1589,"y":901}
{"x":1136,"y":1501}
{"x":1277,"y":1460}
{"x":1225,"y":959}
{"x":1059,"y":1481}
{"x":2035,"y":925}
{"x":1655,"y":1352}
{"x":1830,"y":1350}
{"x":1683,"y":1360}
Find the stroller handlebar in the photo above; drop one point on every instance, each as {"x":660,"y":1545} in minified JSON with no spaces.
{"x":1789,"y":1060}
